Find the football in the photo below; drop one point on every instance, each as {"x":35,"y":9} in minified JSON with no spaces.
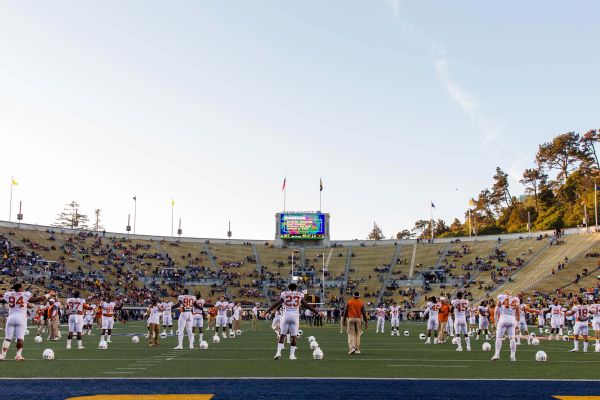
{"x":314,"y":345}
{"x":37,"y":339}
{"x":135,"y":339}
{"x":406,"y":333}
{"x":535,"y":342}
{"x":102,"y":345}
{"x":48,"y":354}
{"x":216,"y":339}
{"x":318,"y":354}
{"x":203,"y":345}
{"x":486,"y":347}
{"x":541,"y":356}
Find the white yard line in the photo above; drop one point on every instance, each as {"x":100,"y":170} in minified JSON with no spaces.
{"x":428,"y":366}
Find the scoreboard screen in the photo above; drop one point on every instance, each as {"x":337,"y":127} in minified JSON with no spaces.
{"x":302,"y":226}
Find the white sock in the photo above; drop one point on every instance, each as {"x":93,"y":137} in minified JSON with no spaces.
{"x":576,"y":344}
{"x":528,"y":338}
{"x":585,"y":345}
{"x":180,"y":338}
{"x":201,"y":336}
{"x":292,"y":350}
{"x":191,"y":337}
{"x":79,"y":343}
{"x":68,"y":342}
{"x":513,"y":347}
{"x":279,"y":347}
{"x":498,"y":346}
{"x":108,"y":336}
{"x":19,"y":351}
{"x":458,"y":341}
{"x":468,"y":341}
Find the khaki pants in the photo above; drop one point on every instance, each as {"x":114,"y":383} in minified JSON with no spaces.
{"x":442,"y":330}
{"x":354,"y":331}
{"x":254,"y":322}
{"x":54,"y":328}
{"x":153,"y":333}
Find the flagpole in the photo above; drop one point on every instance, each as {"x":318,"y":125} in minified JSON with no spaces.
{"x":320,"y":191}
{"x":134,"y":212}
{"x":172,"y":212}
{"x":284,"y":190}
{"x":470,"y":229}
{"x":11,"y":193}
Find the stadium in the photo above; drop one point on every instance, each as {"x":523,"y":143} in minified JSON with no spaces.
{"x":135,"y":132}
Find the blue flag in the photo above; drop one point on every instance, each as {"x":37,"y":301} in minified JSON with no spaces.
{"x":432,"y":205}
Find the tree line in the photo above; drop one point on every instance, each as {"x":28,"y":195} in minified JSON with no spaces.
{"x":558,"y":186}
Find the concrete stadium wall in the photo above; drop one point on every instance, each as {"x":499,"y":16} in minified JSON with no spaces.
{"x":387,"y":242}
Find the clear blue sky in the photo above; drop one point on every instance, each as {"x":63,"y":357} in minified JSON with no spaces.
{"x":394,"y":104}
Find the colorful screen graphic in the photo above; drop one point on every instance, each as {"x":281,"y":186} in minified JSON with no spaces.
{"x":302,"y":226}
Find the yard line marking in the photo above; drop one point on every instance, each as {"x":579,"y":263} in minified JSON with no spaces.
{"x":424,"y":365}
{"x":118,"y":372}
{"x":130,"y":368}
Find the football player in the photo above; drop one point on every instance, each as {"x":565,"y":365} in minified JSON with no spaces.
{"x":291,"y":300}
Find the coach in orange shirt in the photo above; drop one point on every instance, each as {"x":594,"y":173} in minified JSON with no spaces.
{"x":443,"y":318}
{"x":354,"y":314}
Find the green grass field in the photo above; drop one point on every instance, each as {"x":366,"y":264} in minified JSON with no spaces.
{"x":250,"y":355}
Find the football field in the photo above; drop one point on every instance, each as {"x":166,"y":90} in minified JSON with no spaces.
{"x":395,"y":363}
{"x":251,"y":355}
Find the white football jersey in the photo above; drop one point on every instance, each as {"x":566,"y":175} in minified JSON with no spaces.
{"x":292,"y":301}
{"x":17,"y":302}
{"x":395,"y":311}
{"x":595,"y":309}
{"x":222,"y":307}
{"x":483,"y":311}
{"x":255,"y":311}
{"x":508,"y":305}
{"x":460,"y":308}
{"x":167,"y":307}
{"x":582,"y":312}
{"x":90,"y":310}
{"x":108,"y":309}
{"x":433,"y":310}
{"x":556,"y":311}
{"x":198,"y":306}
{"x":75,"y":306}
{"x":237,"y":311}
{"x":187,"y":302}
{"x":380,"y":312}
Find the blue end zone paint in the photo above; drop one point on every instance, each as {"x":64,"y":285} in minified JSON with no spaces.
{"x":330,"y":389}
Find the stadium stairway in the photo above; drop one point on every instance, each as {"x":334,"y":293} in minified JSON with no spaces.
{"x":413,"y":259}
{"x":442,"y":256}
{"x":265,"y":287}
{"x":211,"y":257}
{"x":347,"y":267}
{"x":389,"y":273}
{"x":541,"y":266}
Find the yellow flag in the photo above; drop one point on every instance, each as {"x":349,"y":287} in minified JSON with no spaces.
{"x":172,"y":202}
{"x":15,"y":183}
{"x":471,"y":202}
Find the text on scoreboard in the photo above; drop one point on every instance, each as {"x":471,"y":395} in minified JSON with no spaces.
{"x":302,"y":226}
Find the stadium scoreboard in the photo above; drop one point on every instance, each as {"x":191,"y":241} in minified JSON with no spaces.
{"x":302,"y":226}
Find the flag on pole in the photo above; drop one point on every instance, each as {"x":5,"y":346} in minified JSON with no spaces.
{"x":14,"y":182}
{"x":134,"y":198}
{"x":432,"y":205}
{"x":596,"y":187}
{"x":172,"y":202}
{"x":320,"y":184}
{"x":472,"y":202}
{"x":283,"y":186}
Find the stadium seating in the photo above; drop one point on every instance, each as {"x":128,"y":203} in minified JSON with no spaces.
{"x":139,"y":269}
